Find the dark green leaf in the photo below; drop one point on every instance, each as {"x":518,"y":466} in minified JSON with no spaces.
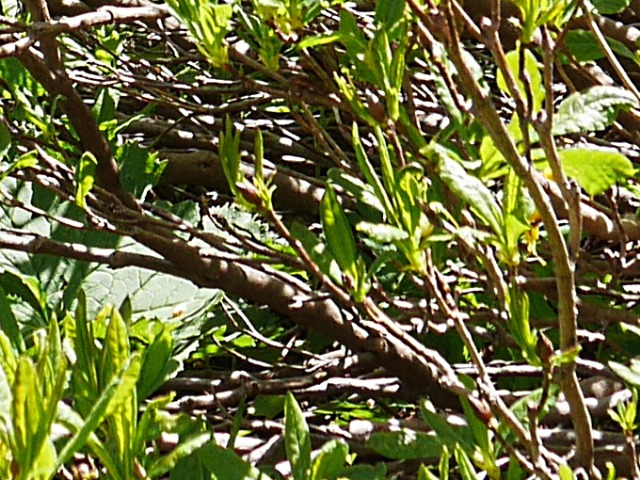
{"x":447,"y":434}
{"x":608,"y":7}
{"x":363,"y":472}
{"x":140,"y":168}
{"x":405,"y":445}
{"x":5,"y":141}
{"x":227,"y":465}
{"x":9,"y":324}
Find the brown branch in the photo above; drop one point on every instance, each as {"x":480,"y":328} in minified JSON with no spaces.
{"x":35,"y":244}
{"x":103,"y":16}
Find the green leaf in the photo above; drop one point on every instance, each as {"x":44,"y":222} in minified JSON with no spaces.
{"x":116,"y":350}
{"x":85,"y":177}
{"x":629,"y":375}
{"x":106,"y":104}
{"x":27,"y":289}
{"x":535,"y":86}
{"x":5,"y":141}
{"x":370,"y":174}
{"x":229,"y":153}
{"x":330,"y":460}
{"x":566,"y":473}
{"x":447,"y":434}
{"x":155,"y":365}
{"x":467,"y":472}
{"x":368,"y":203}
{"x":584,"y":46}
{"x":609,"y":7}
{"x":184,"y":449}
{"x":443,"y":465}
{"x":118,"y":391}
{"x":425,"y":474}
{"x":317,"y":250}
{"x":363,"y":472}
{"x":8,"y":357}
{"x":519,"y":326}
{"x":208,"y":23}
{"x":9,"y":324}
{"x":227,"y":465}
{"x":337,"y":232}
{"x":317,"y":40}
{"x":470,"y":189}
{"x":268,"y":406}
{"x":27,"y":413}
{"x":381,"y":232}
{"x":591,"y":110}
{"x":596,"y":170}
{"x":479,"y":429}
{"x":140,"y":168}
{"x":297,"y":439}
{"x":405,"y":445}
{"x":389,"y":12}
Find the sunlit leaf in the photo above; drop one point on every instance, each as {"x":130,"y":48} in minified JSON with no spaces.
{"x":596,"y":170}
{"x":297,"y":439}
{"x":470,"y":189}
{"x":337,"y":232}
{"x":330,"y":460}
{"x":85,"y":177}
{"x":534,"y":85}
{"x":591,"y":110}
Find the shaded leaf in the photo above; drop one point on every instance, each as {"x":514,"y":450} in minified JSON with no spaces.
{"x":405,"y":445}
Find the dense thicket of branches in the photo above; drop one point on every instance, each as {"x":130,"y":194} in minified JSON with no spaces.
{"x":399,"y":200}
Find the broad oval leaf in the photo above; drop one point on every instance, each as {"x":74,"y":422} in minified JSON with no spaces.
{"x":591,"y":110}
{"x":596,"y":170}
